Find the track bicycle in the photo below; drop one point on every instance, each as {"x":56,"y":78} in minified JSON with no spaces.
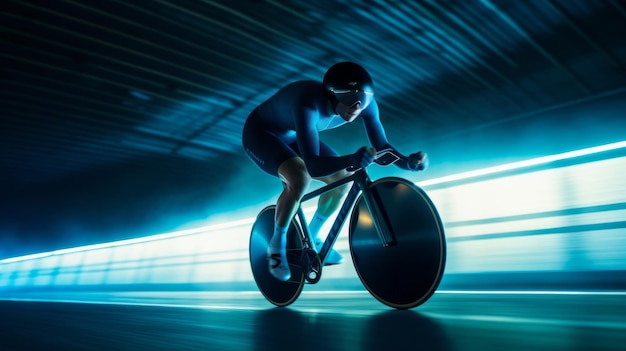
{"x":396,"y":239}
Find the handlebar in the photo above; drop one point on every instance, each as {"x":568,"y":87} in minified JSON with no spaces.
{"x":384,"y":157}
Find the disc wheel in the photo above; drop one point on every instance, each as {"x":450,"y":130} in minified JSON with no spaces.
{"x":406,"y":274}
{"x":275,"y":291}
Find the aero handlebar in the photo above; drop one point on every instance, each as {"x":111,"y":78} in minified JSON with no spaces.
{"x":383,"y":157}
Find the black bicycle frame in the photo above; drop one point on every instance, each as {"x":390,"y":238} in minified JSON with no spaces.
{"x":372,"y":201}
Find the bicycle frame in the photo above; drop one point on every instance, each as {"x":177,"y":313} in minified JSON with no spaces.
{"x":385,"y":212}
{"x":361,"y":182}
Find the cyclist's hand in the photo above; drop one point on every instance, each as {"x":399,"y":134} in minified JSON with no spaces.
{"x":418,"y":161}
{"x":362,"y":158}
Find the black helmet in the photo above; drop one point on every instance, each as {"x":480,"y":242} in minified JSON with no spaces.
{"x":349,"y":83}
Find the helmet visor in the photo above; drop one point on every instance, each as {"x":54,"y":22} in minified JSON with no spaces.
{"x":351,"y":97}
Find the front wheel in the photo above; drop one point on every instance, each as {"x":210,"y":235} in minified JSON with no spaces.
{"x":275,"y":291}
{"x":407,"y":273}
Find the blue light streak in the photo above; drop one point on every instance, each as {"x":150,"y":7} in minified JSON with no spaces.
{"x":525,"y":164}
{"x":548,"y":220}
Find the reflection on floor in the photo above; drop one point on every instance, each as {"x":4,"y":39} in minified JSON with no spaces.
{"x":450,"y":320}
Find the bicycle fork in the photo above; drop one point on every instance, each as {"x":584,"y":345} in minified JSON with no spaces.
{"x":380,"y":219}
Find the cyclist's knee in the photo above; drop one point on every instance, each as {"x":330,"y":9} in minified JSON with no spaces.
{"x":295,"y":176}
{"x":298,"y":185}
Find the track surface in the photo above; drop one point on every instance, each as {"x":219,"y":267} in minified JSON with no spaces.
{"x":450,"y":320}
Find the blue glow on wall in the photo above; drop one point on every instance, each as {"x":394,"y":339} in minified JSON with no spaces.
{"x":558,"y":213}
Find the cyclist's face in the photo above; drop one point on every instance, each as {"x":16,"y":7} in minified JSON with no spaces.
{"x":349,"y":113}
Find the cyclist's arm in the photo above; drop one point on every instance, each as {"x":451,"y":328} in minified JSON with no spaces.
{"x":376,"y":134}
{"x":309,"y":145}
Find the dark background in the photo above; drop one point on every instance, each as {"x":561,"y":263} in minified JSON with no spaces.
{"x":123,"y":119}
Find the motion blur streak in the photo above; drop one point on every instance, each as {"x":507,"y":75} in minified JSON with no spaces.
{"x":555,"y":219}
{"x":528,"y":163}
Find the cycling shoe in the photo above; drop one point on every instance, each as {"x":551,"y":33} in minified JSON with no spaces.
{"x":278,"y":266}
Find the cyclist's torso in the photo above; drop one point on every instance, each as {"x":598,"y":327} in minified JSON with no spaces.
{"x":296,"y":104}
{"x":299,"y":112}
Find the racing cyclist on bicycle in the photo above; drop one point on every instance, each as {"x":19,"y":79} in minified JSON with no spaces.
{"x":281,"y":136}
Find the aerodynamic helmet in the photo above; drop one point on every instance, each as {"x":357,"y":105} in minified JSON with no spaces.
{"x":349,"y":83}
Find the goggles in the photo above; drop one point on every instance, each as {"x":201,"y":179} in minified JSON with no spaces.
{"x":351,"y":97}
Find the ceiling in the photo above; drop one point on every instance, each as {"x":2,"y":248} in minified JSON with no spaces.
{"x":164,"y":86}
{"x":91,"y":84}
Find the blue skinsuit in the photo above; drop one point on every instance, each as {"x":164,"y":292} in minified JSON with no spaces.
{"x":288,"y":124}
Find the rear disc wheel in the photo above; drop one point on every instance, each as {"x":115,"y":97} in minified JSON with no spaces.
{"x":275,"y":291}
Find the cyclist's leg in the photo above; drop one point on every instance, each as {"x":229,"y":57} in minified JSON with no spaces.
{"x":276,"y":157}
{"x":295,"y":179}
{"x":327,"y":204}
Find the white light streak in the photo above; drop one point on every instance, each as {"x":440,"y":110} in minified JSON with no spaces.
{"x":527,"y":163}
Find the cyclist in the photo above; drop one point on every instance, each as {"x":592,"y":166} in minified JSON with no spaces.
{"x":281,"y":136}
